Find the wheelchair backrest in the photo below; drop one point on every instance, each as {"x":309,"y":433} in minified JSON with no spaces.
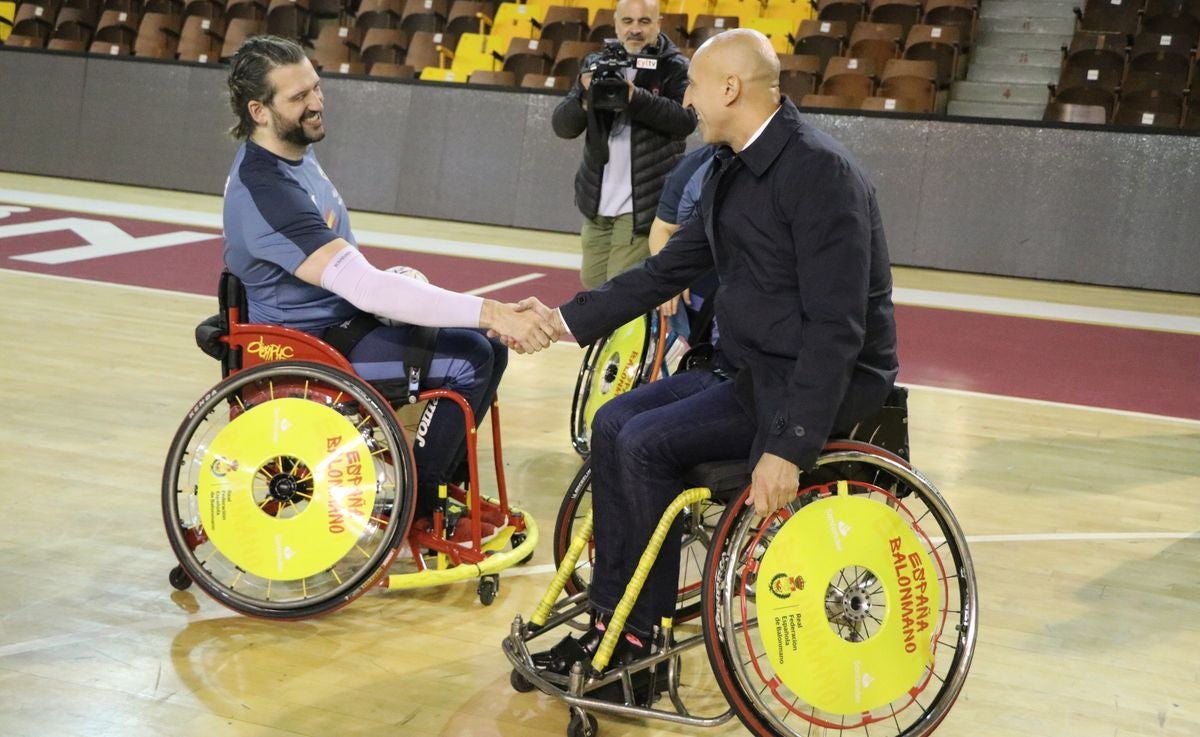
{"x":887,"y":429}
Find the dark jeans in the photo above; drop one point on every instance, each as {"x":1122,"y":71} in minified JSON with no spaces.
{"x":465,"y":361}
{"x":642,"y":442}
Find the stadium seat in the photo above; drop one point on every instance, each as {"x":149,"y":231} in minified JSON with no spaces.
{"x":542,"y":82}
{"x":335,"y":45}
{"x":496,"y":79}
{"x":569,"y":56}
{"x":528,"y":56}
{"x":849,"y":77}
{"x":66,"y":44}
{"x":515,"y":20}
{"x":469,"y":16}
{"x":821,"y":38}
{"x":388,"y":69}
{"x":475,"y":52}
{"x":385,"y":45}
{"x":424,"y":15}
{"x":1064,"y":112}
{"x":117,"y":27}
{"x":77,"y":23}
{"x":33,"y":21}
{"x":436,"y":74}
{"x":288,"y":18}
{"x":846,"y":11}
{"x":603,"y":26}
{"x":913,"y":81}
{"x":1089,"y":96}
{"x":795,"y":11}
{"x":676,"y":26}
{"x":1171,"y":18}
{"x":829,"y":102}
{"x":104,"y":48}
{"x":1154,"y":108}
{"x":237,"y":30}
{"x":937,"y":44}
{"x":796,"y":83}
{"x":1157,"y":71}
{"x":904,"y":13}
{"x":706,"y":26}
{"x":594,"y":6}
{"x":247,"y":9}
{"x":961,"y":14}
{"x":158,"y":36}
{"x":892,"y":105}
{"x":876,"y":41}
{"x":1118,"y":16}
{"x":563,"y":23}
{"x":743,"y":10}
{"x":427,"y":49}
{"x":780,"y":31}
{"x":201,"y":39}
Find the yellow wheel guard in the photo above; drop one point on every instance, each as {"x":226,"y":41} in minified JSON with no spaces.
{"x":848,"y":601}
{"x":618,"y":365}
{"x":286,"y":489}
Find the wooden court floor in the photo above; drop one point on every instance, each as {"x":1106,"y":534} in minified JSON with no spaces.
{"x":1085,"y":531}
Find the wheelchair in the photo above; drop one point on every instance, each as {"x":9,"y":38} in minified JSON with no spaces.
{"x":852,"y":610}
{"x":289,"y":489}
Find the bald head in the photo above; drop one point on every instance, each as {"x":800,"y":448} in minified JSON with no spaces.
{"x":734,"y":85}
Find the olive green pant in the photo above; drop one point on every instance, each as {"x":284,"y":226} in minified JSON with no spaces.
{"x":610,"y":247}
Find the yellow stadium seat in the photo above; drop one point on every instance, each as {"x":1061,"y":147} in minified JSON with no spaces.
{"x":592,"y":6}
{"x":745,"y":10}
{"x":478,"y":53}
{"x":513,"y":21}
{"x":433,"y":74}
{"x":8,"y":11}
{"x":793,"y":10}
{"x":691,"y":7}
{"x":776,"y":29}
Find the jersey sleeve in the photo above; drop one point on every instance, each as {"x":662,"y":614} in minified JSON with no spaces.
{"x":284,"y":225}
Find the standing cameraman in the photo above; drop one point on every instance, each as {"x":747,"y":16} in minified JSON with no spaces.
{"x":635,"y":136}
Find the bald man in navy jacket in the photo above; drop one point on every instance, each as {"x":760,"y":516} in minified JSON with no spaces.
{"x":808,"y":338}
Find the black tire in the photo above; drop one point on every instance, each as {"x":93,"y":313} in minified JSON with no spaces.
{"x":743,"y":665}
{"x":586,"y":727}
{"x":519,"y":682}
{"x":488,"y":587}
{"x":698,"y":524}
{"x":179,"y":579}
{"x":366,"y":461}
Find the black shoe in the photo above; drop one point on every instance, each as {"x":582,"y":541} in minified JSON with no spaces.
{"x":646,"y":685}
{"x":569,"y":651}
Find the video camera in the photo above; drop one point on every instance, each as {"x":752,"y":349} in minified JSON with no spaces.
{"x":608,"y":90}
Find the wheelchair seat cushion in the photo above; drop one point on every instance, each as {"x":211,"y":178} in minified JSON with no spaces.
{"x":724,"y":478}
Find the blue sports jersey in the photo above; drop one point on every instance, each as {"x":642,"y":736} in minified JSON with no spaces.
{"x":680,"y":181}
{"x":277,"y":213}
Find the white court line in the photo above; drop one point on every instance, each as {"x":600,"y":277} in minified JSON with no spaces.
{"x":504,"y":284}
{"x":572,"y":346}
{"x":535,"y":257}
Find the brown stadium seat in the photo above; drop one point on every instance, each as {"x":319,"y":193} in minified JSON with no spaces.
{"x":1157,"y":71}
{"x":706,"y":26}
{"x":117,"y":27}
{"x":66,"y":44}
{"x":288,"y":18}
{"x":108,"y":49}
{"x":1089,"y":96}
{"x":424,"y":15}
{"x":77,"y":22}
{"x":675,"y":25}
{"x":158,"y":36}
{"x":336,"y":44}
{"x":201,"y":39}
{"x":939,"y":45}
{"x":877,"y":41}
{"x":961,"y":14}
{"x":33,"y":20}
{"x":912,"y":80}
{"x":394,"y":71}
{"x":821,"y":38}
{"x":1117,"y":16}
{"x":565,"y":24}
{"x":528,"y":56}
{"x":799,"y":75}
{"x":844,"y":11}
{"x":237,"y":30}
{"x":385,"y":45}
{"x":1150,"y":108}
{"x":497,"y":79}
{"x":1064,"y":112}
{"x":569,"y":56}
{"x":423,"y":49}
{"x":892,"y":105}
{"x":603,"y":26}
{"x":542,"y":82}
{"x":849,"y":77}
{"x":830,"y":102}
{"x":469,"y":16}
{"x":904,"y":13}
{"x":248,"y":9}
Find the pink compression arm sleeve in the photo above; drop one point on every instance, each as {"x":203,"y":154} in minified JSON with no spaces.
{"x":386,"y":294}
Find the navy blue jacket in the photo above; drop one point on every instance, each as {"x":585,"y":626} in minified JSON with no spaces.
{"x":805,"y":302}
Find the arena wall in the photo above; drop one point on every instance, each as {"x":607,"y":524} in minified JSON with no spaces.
{"x":1098,"y":206}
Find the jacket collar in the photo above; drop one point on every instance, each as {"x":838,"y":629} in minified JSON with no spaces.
{"x":759,"y":155}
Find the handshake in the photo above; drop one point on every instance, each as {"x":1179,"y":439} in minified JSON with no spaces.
{"x":527,"y":326}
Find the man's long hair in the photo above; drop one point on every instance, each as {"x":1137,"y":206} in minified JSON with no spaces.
{"x":248,"y":71}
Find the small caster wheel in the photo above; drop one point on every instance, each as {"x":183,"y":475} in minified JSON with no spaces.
{"x":180,"y":579}
{"x":518,"y":539}
{"x":585,"y":727}
{"x":519,"y":682}
{"x":488,"y":587}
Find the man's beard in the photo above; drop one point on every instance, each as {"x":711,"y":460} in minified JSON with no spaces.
{"x":295,"y":133}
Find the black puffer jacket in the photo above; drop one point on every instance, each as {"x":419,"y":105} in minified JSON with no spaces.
{"x":660,"y":124}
